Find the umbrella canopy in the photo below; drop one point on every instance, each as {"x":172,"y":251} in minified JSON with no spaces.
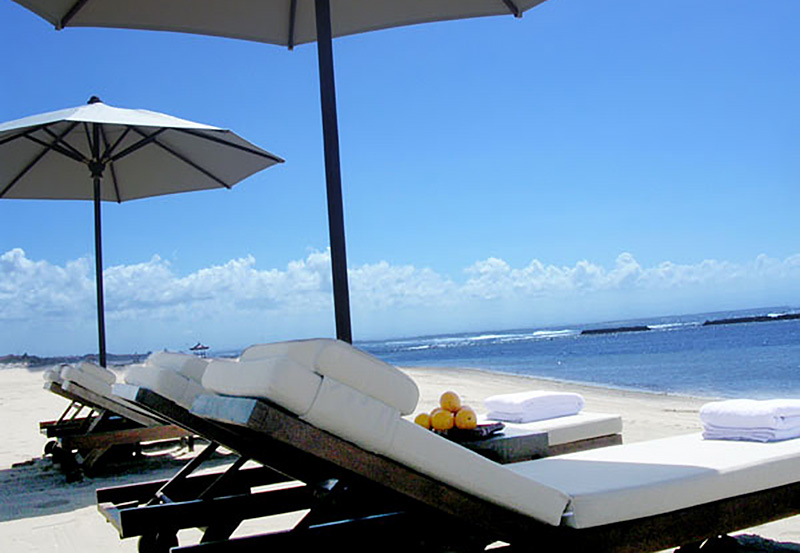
{"x":287,"y":23}
{"x":98,"y":152}
{"x":50,"y":156}
{"x":283,"y":22}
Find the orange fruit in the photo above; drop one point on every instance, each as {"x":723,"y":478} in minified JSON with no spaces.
{"x":424,"y":420}
{"x":442,"y":419}
{"x":450,"y":402}
{"x":466,"y":419}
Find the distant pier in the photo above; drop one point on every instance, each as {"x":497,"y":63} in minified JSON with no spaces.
{"x":753,"y":319}
{"x":614,"y":330}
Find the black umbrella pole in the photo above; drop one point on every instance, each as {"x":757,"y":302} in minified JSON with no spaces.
{"x":333,"y":176}
{"x":98,"y":263}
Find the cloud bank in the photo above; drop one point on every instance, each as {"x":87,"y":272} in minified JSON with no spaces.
{"x":49,"y":309}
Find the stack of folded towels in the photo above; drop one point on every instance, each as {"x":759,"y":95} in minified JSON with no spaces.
{"x":532,"y":406}
{"x":751,"y":420}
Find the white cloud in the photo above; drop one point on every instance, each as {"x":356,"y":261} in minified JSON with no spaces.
{"x":46,"y":308}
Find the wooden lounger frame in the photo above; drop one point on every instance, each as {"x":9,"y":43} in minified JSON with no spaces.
{"x":376,"y":498}
{"x":106,"y":424}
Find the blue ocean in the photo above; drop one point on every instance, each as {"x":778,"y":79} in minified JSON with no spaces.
{"x":753,"y":353}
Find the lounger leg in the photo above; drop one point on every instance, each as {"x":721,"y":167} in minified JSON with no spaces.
{"x":102,"y":415}
{"x":68,"y":409}
{"x":163,"y":541}
{"x":65,"y":460}
{"x":222,"y":531}
{"x":157,"y":543}
{"x":88,"y":462}
{"x":180,"y":476}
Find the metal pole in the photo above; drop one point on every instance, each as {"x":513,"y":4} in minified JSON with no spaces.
{"x":333,"y":176}
{"x":97,"y":168}
{"x":98,"y":263}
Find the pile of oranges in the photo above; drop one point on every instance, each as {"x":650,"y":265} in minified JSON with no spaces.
{"x":450,"y":414}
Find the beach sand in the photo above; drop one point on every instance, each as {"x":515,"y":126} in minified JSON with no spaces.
{"x":39,"y":511}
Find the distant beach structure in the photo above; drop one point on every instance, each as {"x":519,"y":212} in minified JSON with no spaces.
{"x":199,"y":349}
{"x":637,"y":328}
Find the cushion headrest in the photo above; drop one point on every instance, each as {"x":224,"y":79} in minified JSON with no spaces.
{"x":347,"y":364}
{"x":190,"y":366}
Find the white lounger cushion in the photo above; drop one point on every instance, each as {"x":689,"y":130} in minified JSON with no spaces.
{"x":96,"y":371}
{"x":466,"y":470}
{"x":626,"y":482}
{"x":53,"y":374}
{"x":573,"y":428}
{"x":278,"y":379}
{"x":188,"y":365}
{"x":348,"y":365}
{"x":377,"y":427}
{"x":85,"y":376}
{"x":354,"y":416}
{"x":165,"y":382}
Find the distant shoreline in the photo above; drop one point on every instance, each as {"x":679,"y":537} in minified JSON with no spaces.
{"x":40,"y":362}
{"x":37,"y":362}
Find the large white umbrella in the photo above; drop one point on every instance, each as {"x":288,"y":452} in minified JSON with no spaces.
{"x":103,"y":153}
{"x":286,"y":23}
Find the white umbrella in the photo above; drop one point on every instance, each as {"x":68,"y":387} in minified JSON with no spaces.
{"x":287,"y":23}
{"x":102,"y":153}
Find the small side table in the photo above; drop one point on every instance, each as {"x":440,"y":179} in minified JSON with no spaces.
{"x":511,"y":446}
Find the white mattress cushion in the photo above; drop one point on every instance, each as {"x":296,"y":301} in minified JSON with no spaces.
{"x":348,"y":365}
{"x":454,"y":464}
{"x":278,"y":379}
{"x":53,"y":374}
{"x":302,"y":351}
{"x":188,"y":365}
{"x":626,"y":482}
{"x":98,"y":372}
{"x":165,"y":382}
{"x":368,"y":374}
{"x":377,"y":427}
{"x":86,"y":379}
{"x":353,"y":416}
{"x":573,"y":428}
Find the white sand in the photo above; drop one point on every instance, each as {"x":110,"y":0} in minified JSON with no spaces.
{"x":39,"y":511}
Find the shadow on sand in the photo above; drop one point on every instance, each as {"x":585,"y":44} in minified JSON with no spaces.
{"x":38,"y":487}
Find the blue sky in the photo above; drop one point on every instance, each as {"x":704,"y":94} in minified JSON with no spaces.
{"x":592,"y":161}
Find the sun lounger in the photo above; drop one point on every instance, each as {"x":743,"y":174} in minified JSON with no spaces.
{"x":335,"y":415}
{"x":95,"y":421}
{"x":291,"y":373}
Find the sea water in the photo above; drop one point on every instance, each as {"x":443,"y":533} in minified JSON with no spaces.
{"x":676,"y":355}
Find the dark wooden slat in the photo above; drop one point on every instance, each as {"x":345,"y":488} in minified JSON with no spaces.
{"x":282,"y":457}
{"x":96,"y":400}
{"x":192,"y":485}
{"x":127,"y":436}
{"x":149,"y":519}
{"x":79,"y":394}
{"x":388,"y":532}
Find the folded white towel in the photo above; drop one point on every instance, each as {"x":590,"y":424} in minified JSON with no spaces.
{"x":522,"y":407}
{"x":775,"y":414}
{"x":750,"y":434}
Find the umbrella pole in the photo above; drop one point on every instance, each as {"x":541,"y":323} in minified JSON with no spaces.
{"x":98,"y":264}
{"x":333,"y":177}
